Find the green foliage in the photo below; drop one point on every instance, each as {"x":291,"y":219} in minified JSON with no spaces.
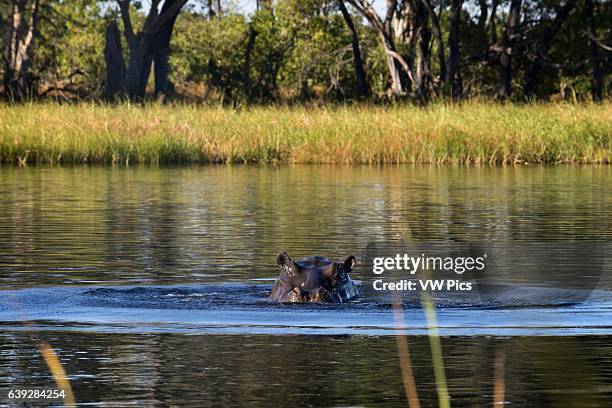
{"x":210,"y":51}
{"x":320,"y":62}
{"x":300,"y":50}
{"x":69,"y":52}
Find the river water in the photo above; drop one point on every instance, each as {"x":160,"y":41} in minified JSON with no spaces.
{"x":150,"y":284}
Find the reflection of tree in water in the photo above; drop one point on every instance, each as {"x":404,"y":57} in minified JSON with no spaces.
{"x":50,"y":215}
{"x":161,"y":239}
{"x":568,"y":371}
{"x":310,"y":370}
{"x":219,"y":223}
{"x":16,"y":249}
{"x":121,"y":224}
{"x":314,"y":210}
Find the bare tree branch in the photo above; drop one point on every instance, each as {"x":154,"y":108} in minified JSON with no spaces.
{"x":384,"y":30}
{"x":599,"y":43}
{"x":403,"y":63}
{"x":32,"y":24}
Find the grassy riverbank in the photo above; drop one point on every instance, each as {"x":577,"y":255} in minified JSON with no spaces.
{"x":475,"y":133}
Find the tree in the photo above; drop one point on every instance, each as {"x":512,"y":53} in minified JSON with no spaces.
{"x":423,"y":78}
{"x":115,"y":66}
{"x":217,"y":53}
{"x":396,"y":64}
{"x":21,"y":31}
{"x":69,"y":59}
{"x":151,"y":44}
{"x":550,"y":28}
{"x":363,"y":87}
{"x":454,"y":53}
{"x":596,"y":72}
{"x":214,"y":9}
{"x":437,"y":31}
{"x":300,"y":50}
{"x":506,"y":49}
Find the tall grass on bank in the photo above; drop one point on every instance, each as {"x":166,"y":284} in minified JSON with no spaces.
{"x":471,"y":133}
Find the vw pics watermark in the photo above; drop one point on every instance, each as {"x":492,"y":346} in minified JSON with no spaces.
{"x":427,"y":265}
{"x":490,"y":270}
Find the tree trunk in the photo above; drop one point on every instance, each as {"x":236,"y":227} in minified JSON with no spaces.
{"x":596,"y":71}
{"x":395,"y":62}
{"x":115,"y":65}
{"x":454,"y":76}
{"x":139,"y":68}
{"x":535,"y":68}
{"x":19,"y":42}
{"x":396,"y":86}
{"x":438,"y":34}
{"x":422,"y":55}
{"x":394,"y":59}
{"x":161,"y":52}
{"x":507,"y":43}
{"x":218,"y":9}
{"x":211,"y":10}
{"x":493,"y":23}
{"x":151,"y":44}
{"x":248,"y":55}
{"x":482,"y":17}
{"x":363,"y":87}
{"x":264,"y":5}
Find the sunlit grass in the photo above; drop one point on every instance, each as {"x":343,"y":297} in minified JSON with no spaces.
{"x":436,"y":350}
{"x":58,"y":372}
{"x":405,"y":361}
{"x":499,"y":385}
{"x":471,"y":133}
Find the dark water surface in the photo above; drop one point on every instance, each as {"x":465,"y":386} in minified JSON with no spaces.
{"x":150,"y":284}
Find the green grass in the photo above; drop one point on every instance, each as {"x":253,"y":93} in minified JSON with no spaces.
{"x":470,"y":133}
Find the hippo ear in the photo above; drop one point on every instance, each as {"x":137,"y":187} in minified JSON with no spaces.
{"x":282,"y":258}
{"x":350,"y":262}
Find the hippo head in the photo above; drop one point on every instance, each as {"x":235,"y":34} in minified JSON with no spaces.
{"x":314,"y":279}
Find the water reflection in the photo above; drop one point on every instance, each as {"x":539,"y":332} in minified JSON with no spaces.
{"x":210,"y":224}
{"x":275,"y":371}
{"x":148,"y":226}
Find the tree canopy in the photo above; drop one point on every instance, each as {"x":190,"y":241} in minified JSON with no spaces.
{"x":288,"y":51}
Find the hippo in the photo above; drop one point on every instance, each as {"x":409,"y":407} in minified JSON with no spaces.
{"x":314,"y":279}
